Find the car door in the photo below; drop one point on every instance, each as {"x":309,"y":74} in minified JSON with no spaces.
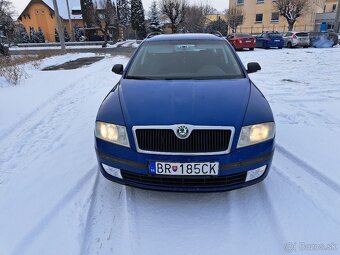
{"x":259,"y":41}
{"x":286,"y":38}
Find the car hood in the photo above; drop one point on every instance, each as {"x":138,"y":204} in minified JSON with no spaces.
{"x":213,"y":102}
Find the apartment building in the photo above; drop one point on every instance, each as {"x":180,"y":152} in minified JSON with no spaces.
{"x":326,"y":20}
{"x":261,"y":15}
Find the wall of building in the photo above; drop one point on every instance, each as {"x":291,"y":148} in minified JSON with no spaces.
{"x":266,"y":7}
{"x":331,"y":5}
{"x":39,"y":15}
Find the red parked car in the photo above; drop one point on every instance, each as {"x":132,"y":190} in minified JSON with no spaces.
{"x":240,"y":41}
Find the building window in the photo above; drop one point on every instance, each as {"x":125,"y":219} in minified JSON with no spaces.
{"x":43,"y":12}
{"x":275,"y":17}
{"x":36,"y":12}
{"x":239,"y":2}
{"x":333,"y":7}
{"x":259,"y":18}
{"x":259,"y":1}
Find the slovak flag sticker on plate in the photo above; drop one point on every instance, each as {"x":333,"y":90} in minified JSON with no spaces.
{"x":174,"y":168}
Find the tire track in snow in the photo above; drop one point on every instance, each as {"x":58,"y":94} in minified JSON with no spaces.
{"x":32,"y":235}
{"x":308,"y":168}
{"x":42,"y":106}
{"x":101,"y":225}
{"x":36,"y":134}
{"x":308,"y":181}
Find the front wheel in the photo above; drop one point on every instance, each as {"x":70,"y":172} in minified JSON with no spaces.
{"x":251,"y":48}
{"x":280,"y":48}
{"x":289,"y":45}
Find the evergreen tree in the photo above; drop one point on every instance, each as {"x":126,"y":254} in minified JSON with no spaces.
{"x":20,"y":35}
{"x":33,"y":36}
{"x":66,"y":35}
{"x":40,"y":36}
{"x":138,"y":18}
{"x":124,"y":14}
{"x":87,"y":9}
{"x":24,"y":37}
{"x":78,"y":33}
{"x":154,"y":20}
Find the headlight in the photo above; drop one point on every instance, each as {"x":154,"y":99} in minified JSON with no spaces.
{"x":256,"y":134}
{"x":112,"y":133}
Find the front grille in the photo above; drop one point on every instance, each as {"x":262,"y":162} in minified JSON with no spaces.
{"x":199,"y":141}
{"x":180,"y":181}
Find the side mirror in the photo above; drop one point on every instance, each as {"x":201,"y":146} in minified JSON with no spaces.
{"x":118,"y":69}
{"x":253,"y":67}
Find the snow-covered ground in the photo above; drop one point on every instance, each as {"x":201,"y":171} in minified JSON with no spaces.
{"x":53,"y":201}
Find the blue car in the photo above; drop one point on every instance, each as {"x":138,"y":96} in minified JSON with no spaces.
{"x":268,"y":40}
{"x":185,"y":116}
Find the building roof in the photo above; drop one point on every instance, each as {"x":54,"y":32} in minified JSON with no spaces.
{"x":62,"y":7}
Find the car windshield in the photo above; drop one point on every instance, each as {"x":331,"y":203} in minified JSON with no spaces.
{"x":181,"y":60}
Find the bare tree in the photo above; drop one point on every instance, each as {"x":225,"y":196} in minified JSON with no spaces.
{"x":175,"y":10}
{"x":234,"y":16}
{"x":291,"y":10}
{"x":196,"y":17}
{"x":105,"y":17}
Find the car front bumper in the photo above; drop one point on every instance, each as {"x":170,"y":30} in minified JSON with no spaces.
{"x":133,"y":168}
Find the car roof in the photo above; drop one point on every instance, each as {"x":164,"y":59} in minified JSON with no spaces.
{"x":178,"y":37}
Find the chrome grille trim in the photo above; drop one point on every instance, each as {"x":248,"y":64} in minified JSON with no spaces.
{"x":191,"y":128}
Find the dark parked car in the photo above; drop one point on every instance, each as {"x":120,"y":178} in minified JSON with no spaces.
{"x":241,"y":40}
{"x":268,"y":40}
{"x":185,"y":116}
{"x":323,"y":39}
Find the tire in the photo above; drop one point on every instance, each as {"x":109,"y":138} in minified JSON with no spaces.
{"x":289,"y":45}
{"x":280,"y":48}
{"x":305,"y":46}
{"x":251,"y":49}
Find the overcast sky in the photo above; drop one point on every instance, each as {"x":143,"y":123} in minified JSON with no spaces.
{"x":220,"y":5}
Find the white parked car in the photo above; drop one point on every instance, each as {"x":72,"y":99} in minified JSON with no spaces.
{"x":296,"y":39}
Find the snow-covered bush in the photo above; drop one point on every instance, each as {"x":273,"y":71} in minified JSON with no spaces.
{"x":11,"y":72}
{"x":13,"y":69}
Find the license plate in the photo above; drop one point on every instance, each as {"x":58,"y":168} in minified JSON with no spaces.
{"x":170,"y":168}
{"x":277,"y":40}
{"x":248,"y":41}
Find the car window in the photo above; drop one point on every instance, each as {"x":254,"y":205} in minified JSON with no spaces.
{"x":185,"y":59}
{"x":301,"y":34}
{"x":273,"y":35}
